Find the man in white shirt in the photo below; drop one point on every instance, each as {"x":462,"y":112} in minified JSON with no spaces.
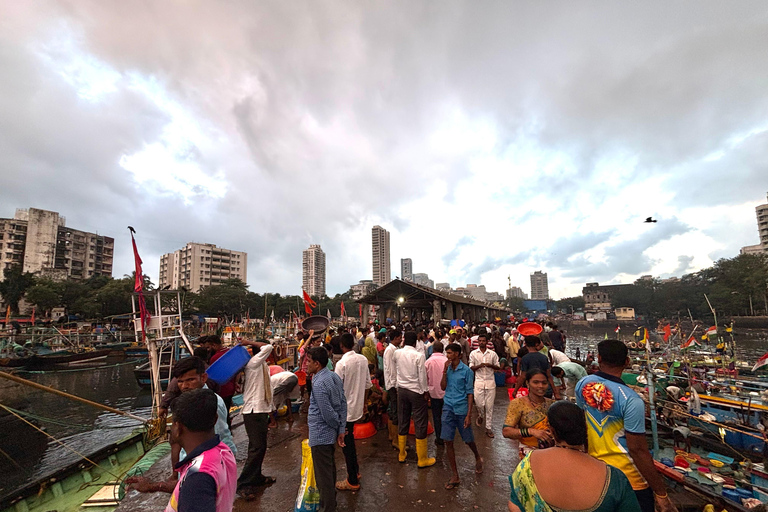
{"x":484,"y":362}
{"x":421,"y":343}
{"x":257,"y":405}
{"x":352,"y":368}
{"x":412,"y":398}
{"x":390,"y":382}
{"x":435,"y":366}
{"x":556,"y":357}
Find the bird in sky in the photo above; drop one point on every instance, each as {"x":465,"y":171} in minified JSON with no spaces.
{"x":649,"y":219}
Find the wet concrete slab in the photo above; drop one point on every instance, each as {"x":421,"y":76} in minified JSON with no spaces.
{"x":386,"y":484}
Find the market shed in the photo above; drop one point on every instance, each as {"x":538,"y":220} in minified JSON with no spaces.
{"x":403,"y":299}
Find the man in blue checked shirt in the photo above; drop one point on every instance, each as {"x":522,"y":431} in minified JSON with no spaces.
{"x":327,"y":421}
{"x":458,"y":384}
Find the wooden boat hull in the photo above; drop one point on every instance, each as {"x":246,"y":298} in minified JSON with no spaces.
{"x":54,"y":360}
{"x":66,"y":489}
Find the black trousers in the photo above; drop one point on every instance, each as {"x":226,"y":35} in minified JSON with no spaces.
{"x":350,"y":454}
{"x":437,"y":416}
{"x":256,"y":428}
{"x":412,"y":403}
{"x":646,"y":500}
{"x":324,"y":464}
{"x":392,"y":411}
{"x":228,"y":405}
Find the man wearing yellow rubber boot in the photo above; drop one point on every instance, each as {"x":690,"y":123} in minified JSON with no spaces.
{"x":412,"y":398}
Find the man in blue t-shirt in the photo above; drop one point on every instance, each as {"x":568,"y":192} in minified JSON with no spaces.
{"x":458,"y":383}
{"x":615,"y":416}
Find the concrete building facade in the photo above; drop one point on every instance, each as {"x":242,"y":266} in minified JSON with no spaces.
{"x":539,"y":286}
{"x":761,"y":212}
{"x":313,"y":271}
{"x":382,"y":269}
{"x":198,"y":265}
{"x":362,"y":289}
{"x":42,"y":244}
{"x":516,"y":292}
{"x":406,"y":269}
{"x":423,"y":280}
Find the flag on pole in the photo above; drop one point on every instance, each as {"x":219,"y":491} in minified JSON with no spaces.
{"x":138,"y":286}
{"x":617,"y":329}
{"x":343,"y":309}
{"x":761,"y":362}
{"x":692,"y":342}
{"x":360,"y":307}
{"x":712,"y":331}
{"x":7,"y":316}
{"x":308,"y":303}
{"x":328,"y":313}
{"x":272,"y":316}
{"x":667,"y":332}
{"x":33,"y":317}
{"x":646,"y":339}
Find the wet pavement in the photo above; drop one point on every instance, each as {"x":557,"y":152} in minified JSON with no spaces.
{"x":386,"y":484}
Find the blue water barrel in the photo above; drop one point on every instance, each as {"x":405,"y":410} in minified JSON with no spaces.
{"x":501,"y":378}
{"x":227,"y":366}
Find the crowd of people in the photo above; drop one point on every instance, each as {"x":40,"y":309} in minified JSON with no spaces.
{"x":580,"y":431}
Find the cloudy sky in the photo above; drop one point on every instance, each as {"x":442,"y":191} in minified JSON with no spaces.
{"x":491,"y":138}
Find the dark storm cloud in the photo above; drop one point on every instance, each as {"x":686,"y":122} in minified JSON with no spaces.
{"x":320,"y":118}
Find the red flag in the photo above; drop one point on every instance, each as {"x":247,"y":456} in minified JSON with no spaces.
{"x":138,"y":287}
{"x":761,"y":362}
{"x":361,"y":310}
{"x":308,"y":303}
{"x":617,"y":329}
{"x":343,"y":309}
{"x":33,"y":317}
{"x":7,"y":316}
{"x":667,"y":332}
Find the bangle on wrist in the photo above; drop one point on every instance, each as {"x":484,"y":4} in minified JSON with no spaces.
{"x":661,"y":496}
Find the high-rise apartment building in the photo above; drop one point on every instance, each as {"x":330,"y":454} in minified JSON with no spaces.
{"x":382,"y":270}
{"x":362,"y":289}
{"x":517,"y":292}
{"x":423,"y":280}
{"x":199,"y":265}
{"x":539,"y":286}
{"x":313,"y":271}
{"x":41,"y":242}
{"x":406,"y":269}
{"x":761,"y":211}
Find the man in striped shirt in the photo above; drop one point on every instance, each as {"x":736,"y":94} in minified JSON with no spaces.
{"x":327,"y":421}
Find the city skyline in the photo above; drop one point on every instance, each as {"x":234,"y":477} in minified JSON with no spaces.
{"x":313,"y":270}
{"x":253,"y":132}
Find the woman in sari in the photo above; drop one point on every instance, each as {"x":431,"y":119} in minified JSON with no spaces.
{"x":565,"y":477}
{"x":526,"y":419}
{"x":369,"y":351}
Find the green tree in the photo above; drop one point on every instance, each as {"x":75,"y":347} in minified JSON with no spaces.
{"x":569,"y":304}
{"x":13,"y":286}
{"x":45,"y":295}
{"x":230,"y":298}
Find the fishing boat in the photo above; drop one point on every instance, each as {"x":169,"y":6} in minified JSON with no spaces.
{"x":67,"y":488}
{"x":54,"y":360}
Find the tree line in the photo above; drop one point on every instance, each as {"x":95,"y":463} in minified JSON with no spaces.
{"x":101,"y":296}
{"x":735,"y":287}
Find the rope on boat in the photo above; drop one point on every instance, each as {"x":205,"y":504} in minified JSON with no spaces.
{"x":132,"y":361}
{"x":48,"y":389}
{"x":722,"y":425}
{"x":59,"y":442}
{"x":11,"y":459}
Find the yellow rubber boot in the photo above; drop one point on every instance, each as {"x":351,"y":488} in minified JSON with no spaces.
{"x":402,"y":443}
{"x":421,"y":450}
{"x":393,"y":435}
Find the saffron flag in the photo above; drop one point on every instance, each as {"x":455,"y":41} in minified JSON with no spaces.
{"x":761,"y":362}
{"x":33,"y":317}
{"x":343,"y":310}
{"x":308,"y":302}
{"x":667,"y":332}
{"x":7,"y":316}
{"x":138,"y":287}
{"x":691,"y":343}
